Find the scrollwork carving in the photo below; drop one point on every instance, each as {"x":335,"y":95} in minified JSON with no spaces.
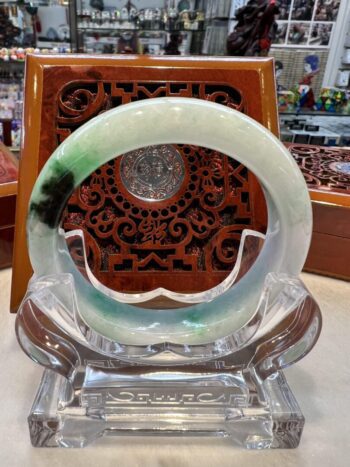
{"x":324,"y":168}
{"x":195,"y":225}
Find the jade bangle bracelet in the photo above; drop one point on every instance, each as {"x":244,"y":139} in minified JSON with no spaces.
{"x":172,"y":121}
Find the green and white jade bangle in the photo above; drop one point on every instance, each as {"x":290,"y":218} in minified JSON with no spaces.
{"x":172,"y":121}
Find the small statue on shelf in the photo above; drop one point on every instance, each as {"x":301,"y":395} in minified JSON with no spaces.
{"x":97,"y":4}
{"x":332,"y":100}
{"x":128,"y":43}
{"x":311,"y":67}
{"x":278,"y":73}
{"x":255,"y":27}
{"x":172,"y":47}
{"x":286,"y":99}
{"x":8,"y":31}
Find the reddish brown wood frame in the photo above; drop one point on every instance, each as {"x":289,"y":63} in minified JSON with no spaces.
{"x":8,"y":190}
{"x":330,"y":193}
{"x":63,"y":92}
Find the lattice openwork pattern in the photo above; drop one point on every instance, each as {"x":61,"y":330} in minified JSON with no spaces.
{"x":325,"y":169}
{"x":188,"y":241}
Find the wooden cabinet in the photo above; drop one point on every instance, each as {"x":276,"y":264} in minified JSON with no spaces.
{"x":8,"y":190}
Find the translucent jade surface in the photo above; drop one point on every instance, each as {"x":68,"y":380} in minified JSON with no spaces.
{"x":172,"y":121}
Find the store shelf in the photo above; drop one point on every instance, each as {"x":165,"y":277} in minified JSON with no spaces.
{"x":99,"y":29}
{"x":12,"y":63}
{"x":315,"y":113}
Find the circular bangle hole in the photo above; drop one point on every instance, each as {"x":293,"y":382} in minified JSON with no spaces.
{"x":187,"y":243}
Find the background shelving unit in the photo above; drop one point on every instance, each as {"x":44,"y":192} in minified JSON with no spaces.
{"x":306,"y":27}
{"x":64,"y":25}
{"x":203,"y":25}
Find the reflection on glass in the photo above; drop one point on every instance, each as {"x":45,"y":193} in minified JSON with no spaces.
{"x":321,"y":34}
{"x":327,"y":10}
{"x":303,"y":9}
{"x":284,"y":6}
{"x":281,"y":32}
{"x":298,"y":33}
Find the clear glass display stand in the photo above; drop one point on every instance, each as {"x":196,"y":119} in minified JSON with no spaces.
{"x":164,"y":361}
{"x":92,"y":387}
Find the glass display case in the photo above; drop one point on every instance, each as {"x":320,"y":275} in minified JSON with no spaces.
{"x":126,"y":27}
{"x":304,"y":43}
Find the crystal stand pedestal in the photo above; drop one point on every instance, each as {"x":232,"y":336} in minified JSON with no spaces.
{"x":252,"y":414}
{"x":92,"y":387}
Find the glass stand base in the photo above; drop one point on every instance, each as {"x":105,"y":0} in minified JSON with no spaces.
{"x":253,"y":414}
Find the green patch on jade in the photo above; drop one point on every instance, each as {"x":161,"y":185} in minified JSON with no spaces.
{"x":54,"y":193}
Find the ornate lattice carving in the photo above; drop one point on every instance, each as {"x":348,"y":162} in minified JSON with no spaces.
{"x":173,"y":242}
{"x":78,"y":102}
{"x":326,"y":169}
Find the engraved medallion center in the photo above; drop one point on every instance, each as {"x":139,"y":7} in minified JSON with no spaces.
{"x":153,"y":173}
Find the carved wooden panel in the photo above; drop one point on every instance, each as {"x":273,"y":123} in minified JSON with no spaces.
{"x":62,"y":92}
{"x":325,"y":169}
{"x":137,"y":245}
{"x":80,"y":101}
{"x":327,"y":174}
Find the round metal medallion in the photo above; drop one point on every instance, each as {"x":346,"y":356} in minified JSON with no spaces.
{"x":340,"y":167}
{"x":153,"y":173}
